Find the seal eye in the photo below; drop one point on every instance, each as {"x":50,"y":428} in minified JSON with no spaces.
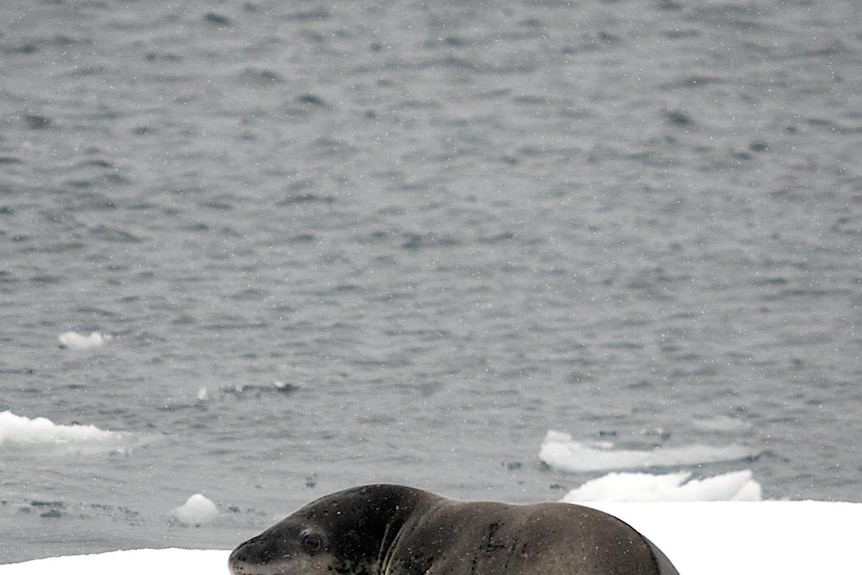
{"x":311,"y":542}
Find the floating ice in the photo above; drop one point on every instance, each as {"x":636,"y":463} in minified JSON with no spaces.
{"x":735,"y":486}
{"x":18,"y":430}
{"x":561,"y":452}
{"x":196,"y":511}
{"x":76,"y":341}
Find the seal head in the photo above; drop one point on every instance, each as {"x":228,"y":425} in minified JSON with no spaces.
{"x":343,"y":533}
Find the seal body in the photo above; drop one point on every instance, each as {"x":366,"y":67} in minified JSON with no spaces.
{"x":397,"y":530}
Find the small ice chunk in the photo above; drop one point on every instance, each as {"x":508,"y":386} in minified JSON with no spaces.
{"x":196,"y":511}
{"x":76,"y":341}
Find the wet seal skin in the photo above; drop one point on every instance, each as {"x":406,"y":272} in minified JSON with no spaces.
{"x":397,"y":530}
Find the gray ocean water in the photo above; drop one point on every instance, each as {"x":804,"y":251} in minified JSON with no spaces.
{"x":336,"y":243}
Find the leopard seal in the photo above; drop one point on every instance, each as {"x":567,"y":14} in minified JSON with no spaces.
{"x":397,"y":530}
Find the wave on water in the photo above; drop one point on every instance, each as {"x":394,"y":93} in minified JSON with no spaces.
{"x":243,"y":391}
{"x":19,"y":431}
{"x":645,"y":487}
{"x":561,"y":452}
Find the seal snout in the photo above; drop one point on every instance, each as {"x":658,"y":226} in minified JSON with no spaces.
{"x":254,"y":557}
{"x":237,"y":561}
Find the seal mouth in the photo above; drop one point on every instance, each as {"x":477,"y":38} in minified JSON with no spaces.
{"x":258,"y":557}
{"x":245,"y":568}
{"x":236,"y":566}
{"x":238,"y":563}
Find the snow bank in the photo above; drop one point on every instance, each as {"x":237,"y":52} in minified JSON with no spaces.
{"x":703,"y":538}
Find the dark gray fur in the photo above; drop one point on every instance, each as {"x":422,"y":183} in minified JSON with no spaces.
{"x":396,"y":530}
